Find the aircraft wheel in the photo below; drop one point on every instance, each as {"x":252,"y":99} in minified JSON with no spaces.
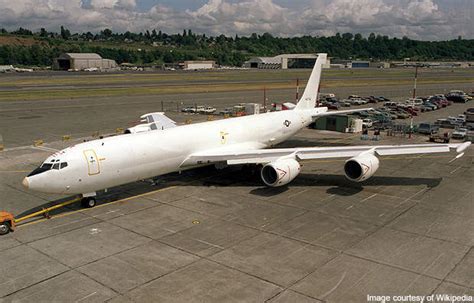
{"x":4,"y":228}
{"x":88,"y":202}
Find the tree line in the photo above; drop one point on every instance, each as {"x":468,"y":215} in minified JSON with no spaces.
{"x":156,"y":47}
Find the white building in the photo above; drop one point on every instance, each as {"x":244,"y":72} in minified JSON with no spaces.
{"x":6,"y":68}
{"x":199,"y":65}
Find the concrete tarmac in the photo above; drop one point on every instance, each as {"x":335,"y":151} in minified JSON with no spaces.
{"x":220,"y":236}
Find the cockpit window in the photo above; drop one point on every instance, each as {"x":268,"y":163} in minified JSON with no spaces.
{"x":44,"y":167}
{"x":55,"y":164}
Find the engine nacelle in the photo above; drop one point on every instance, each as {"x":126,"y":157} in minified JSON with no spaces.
{"x":280,"y":172}
{"x":361,"y":168}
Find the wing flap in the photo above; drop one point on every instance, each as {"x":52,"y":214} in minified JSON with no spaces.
{"x":260,"y":156}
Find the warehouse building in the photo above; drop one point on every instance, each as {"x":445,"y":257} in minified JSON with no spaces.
{"x":284,"y":61}
{"x":82,"y":61}
{"x":193,"y":65}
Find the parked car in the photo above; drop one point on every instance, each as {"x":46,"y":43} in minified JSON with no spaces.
{"x":460,"y":93}
{"x":367,"y":123}
{"x":388,"y":112}
{"x":333,"y":105}
{"x":400,"y":114}
{"x":459,"y":133}
{"x":444,"y":123}
{"x":357,"y":101}
{"x":442,"y":99}
{"x":430,"y":105}
{"x":353,"y":97}
{"x":208,"y":110}
{"x":456,"y":98}
{"x":414,"y":102}
{"x":327,"y":95}
{"x":363,"y":114}
{"x":382,"y":99}
{"x":226,"y":111}
{"x":427,"y":128}
{"x":189,"y":109}
{"x":411,"y":111}
{"x":456,"y":120}
{"x":345,"y":103}
{"x":425,"y":108}
{"x":390,"y":104}
{"x":371,"y":99}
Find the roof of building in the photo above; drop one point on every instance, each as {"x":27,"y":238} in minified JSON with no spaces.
{"x":278,"y":59}
{"x":87,"y":56}
{"x":199,"y":62}
{"x":266,"y":60}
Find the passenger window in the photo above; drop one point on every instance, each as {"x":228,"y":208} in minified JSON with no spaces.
{"x":56,"y":166}
{"x":63,"y":165}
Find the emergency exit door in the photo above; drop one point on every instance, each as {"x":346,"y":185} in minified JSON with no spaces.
{"x":92,"y":162}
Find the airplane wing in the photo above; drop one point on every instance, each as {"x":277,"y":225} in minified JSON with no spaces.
{"x":262,"y":156}
{"x":340,"y":112}
{"x":158,"y":120}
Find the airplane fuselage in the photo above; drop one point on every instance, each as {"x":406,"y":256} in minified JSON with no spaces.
{"x":112,"y":161}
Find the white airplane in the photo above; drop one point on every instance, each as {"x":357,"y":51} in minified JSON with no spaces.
{"x":160,"y":146}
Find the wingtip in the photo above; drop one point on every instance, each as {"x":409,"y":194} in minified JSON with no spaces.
{"x":462,"y":147}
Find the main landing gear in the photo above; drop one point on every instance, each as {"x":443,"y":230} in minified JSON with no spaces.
{"x":88,"y":202}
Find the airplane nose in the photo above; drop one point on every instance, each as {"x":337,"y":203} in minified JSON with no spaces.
{"x":25,"y":182}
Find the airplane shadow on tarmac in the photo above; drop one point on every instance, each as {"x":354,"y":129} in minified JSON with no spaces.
{"x":239,"y":177}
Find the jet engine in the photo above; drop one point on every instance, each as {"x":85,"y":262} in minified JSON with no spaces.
{"x":361,"y":168}
{"x":280,"y":172}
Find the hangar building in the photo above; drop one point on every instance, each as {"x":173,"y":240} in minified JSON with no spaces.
{"x":81,"y":61}
{"x":284,"y":61}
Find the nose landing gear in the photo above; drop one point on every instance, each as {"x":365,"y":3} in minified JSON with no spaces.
{"x":88,"y":202}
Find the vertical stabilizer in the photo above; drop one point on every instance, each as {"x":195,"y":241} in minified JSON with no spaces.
{"x":308,"y":100}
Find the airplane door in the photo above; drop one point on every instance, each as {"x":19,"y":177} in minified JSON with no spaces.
{"x":92,"y":162}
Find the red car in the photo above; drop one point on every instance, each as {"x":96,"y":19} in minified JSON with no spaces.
{"x":411,"y":111}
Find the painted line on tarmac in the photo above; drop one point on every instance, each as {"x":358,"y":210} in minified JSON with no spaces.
{"x":98,"y":206}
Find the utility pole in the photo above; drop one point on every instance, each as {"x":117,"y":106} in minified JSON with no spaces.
{"x":416,"y":77}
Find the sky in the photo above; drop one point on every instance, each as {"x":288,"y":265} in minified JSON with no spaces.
{"x":417,"y":19}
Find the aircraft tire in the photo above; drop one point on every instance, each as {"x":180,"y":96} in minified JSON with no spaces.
{"x":88,"y":202}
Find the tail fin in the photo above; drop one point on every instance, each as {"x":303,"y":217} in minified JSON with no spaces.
{"x":308,"y":100}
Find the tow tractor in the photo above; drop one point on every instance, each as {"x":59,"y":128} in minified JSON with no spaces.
{"x":8,"y":222}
